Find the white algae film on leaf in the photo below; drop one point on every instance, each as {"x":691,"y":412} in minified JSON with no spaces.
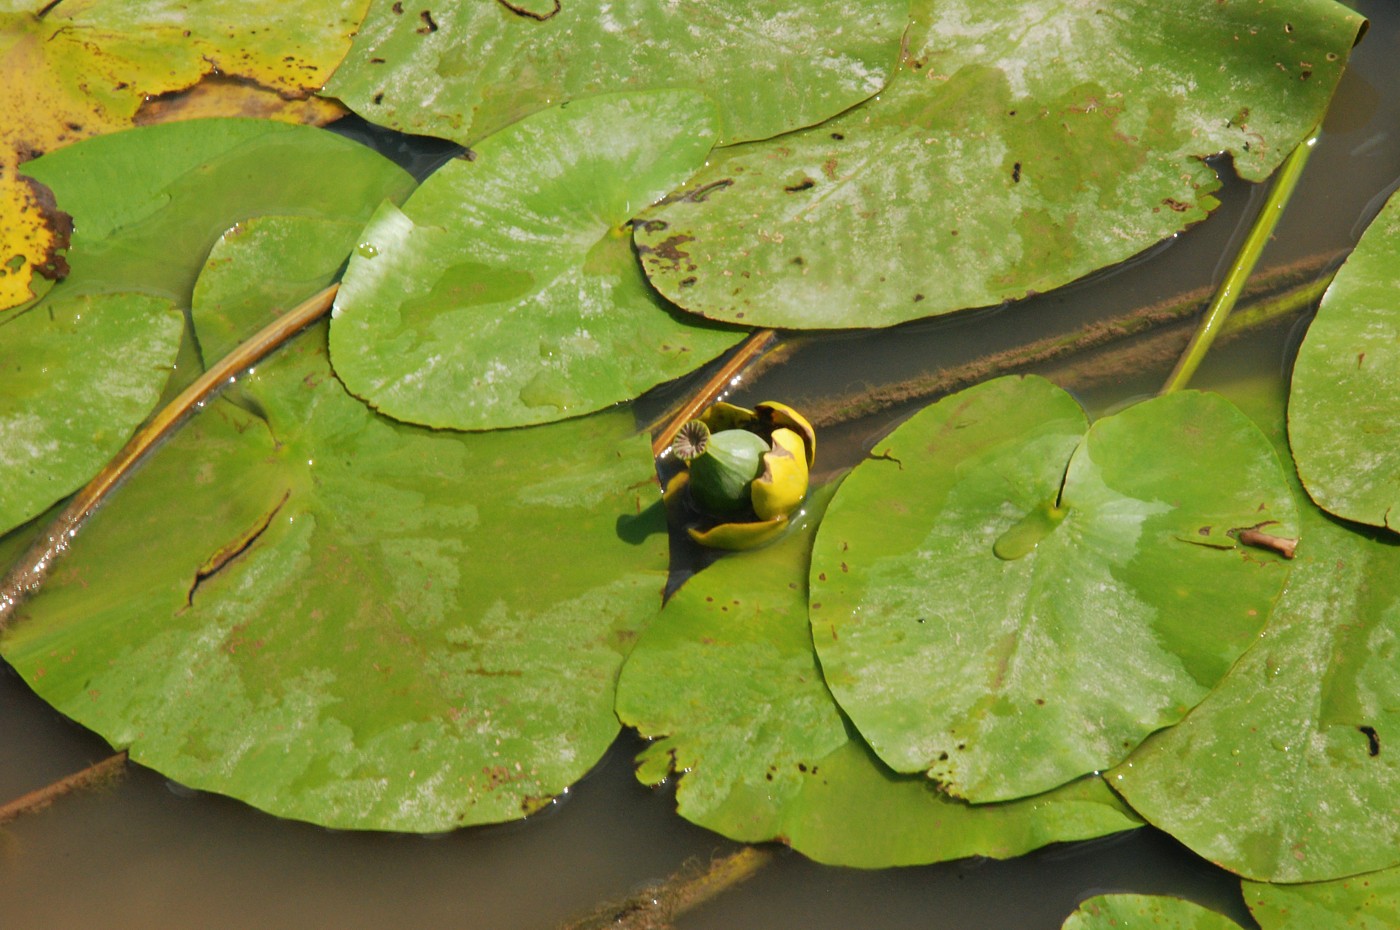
{"x":465,"y":70}
{"x":1003,"y":159}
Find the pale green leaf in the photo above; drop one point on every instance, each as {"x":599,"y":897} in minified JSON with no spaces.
{"x":1365,"y":902}
{"x":1287,"y":771}
{"x":1344,"y":409}
{"x":77,"y":375}
{"x":1140,"y":911}
{"x":343,"y":619}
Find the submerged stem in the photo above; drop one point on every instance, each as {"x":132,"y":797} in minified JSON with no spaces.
{"x":30,"y":570}
{"x":1243,"y":266}
{"x":655,"y":907}
{"x":96,"y":774}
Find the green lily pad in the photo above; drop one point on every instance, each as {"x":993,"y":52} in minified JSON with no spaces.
{"x":728,"y":684}
{"x":1135,"y":911}
{"x":1004,"y":670}
{"x":1342,"y":412}
{"x":1287,"y":772}
{"x":114,"y":352}
{"x":1002,"y":159}
{"x":344,"y":619}
{"x":149,"y":203}
{"x":1365,"y":902}
{"x":260,"y":269}
{"x":464,"y":70}
{"x":505,"y":292}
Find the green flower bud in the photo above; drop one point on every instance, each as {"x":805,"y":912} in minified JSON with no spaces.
{"x":722,"y":466}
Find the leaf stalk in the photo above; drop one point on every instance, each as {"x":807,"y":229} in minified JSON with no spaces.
{"x":29,"y":572}
{"x":1285,"y":181}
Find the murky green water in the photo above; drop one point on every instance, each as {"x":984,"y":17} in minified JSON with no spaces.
{"x":142,"y":854}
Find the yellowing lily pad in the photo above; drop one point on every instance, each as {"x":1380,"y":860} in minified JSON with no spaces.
{"x":84,"y":68}
{"x":1005,"y":673}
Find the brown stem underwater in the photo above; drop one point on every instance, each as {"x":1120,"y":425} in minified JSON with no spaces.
{"x":94,"y":775}
{"x":655,"y":907}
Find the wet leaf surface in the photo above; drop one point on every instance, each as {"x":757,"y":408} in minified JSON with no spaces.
{"x":727,"y":683}
{"x":464,"y":70}
{"x":1342,"y":421}
{"x":343,"y":619}
{"x":1004,"y":674}
{"x":1140,"y":911}
{"x":90,"y":67}
{"x":1287,"y":771}
{"x":505,"y":292}
{"x":1018,"y":147}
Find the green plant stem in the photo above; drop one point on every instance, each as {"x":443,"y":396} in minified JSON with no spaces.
{"x":1245,"y":260}
{"x":30,"y":570}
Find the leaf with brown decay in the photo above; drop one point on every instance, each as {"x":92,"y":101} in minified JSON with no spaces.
{"x":90,"y":67}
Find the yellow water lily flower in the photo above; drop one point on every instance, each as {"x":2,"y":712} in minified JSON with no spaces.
{"x":746,"y":472}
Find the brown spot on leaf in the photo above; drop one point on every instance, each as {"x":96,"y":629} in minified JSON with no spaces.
{"x":528,"y":13}
{"x":233,"y":549}
{"x":429,"y":24}
{"x":667,"y":251}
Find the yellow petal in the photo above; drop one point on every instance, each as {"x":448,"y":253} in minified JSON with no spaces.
{"x":721,"y":416}
{"x":774,"y":416}
{"x":783,"y":485}
{"x":739,"y":536}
